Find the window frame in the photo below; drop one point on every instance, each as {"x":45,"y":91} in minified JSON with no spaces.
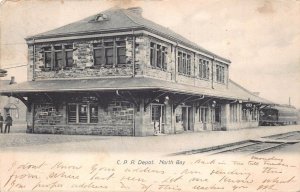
{"x":158,"y":56}
{"x":88,"y":111}
{"x":184,"y":63}
{"x":220,"y":73}
{"x":104,"y":45}
{"x":204,"y":69}
{"x":54,"y":50}
{"x":206,"y":110}
{"x":68,"y":50}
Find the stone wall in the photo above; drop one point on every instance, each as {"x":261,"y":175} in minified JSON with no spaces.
{"x":83,"y":62}
{"x":83,"y":66}
{"x":144,"y":56}
{"x":115,"y":119}
{"x":30,"y":63}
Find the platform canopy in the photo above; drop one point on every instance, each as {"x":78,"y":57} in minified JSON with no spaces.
{"x":233,"y":92}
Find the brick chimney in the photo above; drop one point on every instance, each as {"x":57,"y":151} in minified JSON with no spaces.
{"x":12,"y":80}
{"x":136,"y":10}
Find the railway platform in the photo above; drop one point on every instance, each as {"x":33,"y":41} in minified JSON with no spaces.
{"x":156,"y":145}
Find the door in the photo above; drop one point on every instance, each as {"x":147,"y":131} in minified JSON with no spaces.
{"x":187,"y":118}
{"x":216,"y":120}
{"x":157,"y":115}
{"x":204,"y":117}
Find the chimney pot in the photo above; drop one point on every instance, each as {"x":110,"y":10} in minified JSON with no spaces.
{"x":12,"y":80}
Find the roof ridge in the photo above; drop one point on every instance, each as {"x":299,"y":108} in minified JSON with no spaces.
{"x":125,"y":11}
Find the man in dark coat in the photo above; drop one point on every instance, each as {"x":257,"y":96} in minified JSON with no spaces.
{"x":8,"y":123}
{"x":1,"y":122}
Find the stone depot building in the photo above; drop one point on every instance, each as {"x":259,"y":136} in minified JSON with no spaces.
{"x":117,"y":73}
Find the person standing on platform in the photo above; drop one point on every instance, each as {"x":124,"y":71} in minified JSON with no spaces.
{"x":8,"y":123}
{"x":1,"y":122}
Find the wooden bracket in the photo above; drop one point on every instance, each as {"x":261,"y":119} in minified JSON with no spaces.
{"x":153,"y":99}
{"x":175,"y":105}
{"x":203,"y":103}
{"x":134,"y":99}
{"x":261,"y":107}
{"x":26,"y":102}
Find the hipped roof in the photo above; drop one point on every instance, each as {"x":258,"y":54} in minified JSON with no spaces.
{"x":120,"y":19}
{"x":234,"y":91}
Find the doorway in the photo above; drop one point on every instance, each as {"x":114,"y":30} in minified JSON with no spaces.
{"x":158,"y":117}
{"x":203,"y":116}
{"x":187,"y":118}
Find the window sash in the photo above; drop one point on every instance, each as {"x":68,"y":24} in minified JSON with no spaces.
{"x":83,"y":113}
{"x":110,"y":53}
{"x":72,"y":113}
{"x":69,"y":58}
{"x":220,"y":74}
{"x":93,"y":113}
{"x":121,"y":55}
{"x":109,"y":56}
{"x":203,"y":114}
{"x":184,"y":63}
{"x":152,"y":56}
{"x":98,"y":56}
{"x":58,"y":59}
{"x":158,"y":56}
{"x":47,"y":59}
{"x":57,"y":56}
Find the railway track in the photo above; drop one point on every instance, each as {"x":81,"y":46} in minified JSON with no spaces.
{"x":259,"y":146}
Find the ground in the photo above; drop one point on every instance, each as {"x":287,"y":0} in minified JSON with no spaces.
{"x":19,"y":141}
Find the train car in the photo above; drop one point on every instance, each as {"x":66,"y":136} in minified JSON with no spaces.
{"x":278,"y":115}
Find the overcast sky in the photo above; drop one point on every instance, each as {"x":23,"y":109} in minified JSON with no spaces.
{"x":261,"y":38}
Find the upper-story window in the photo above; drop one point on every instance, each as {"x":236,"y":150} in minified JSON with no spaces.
{"x":204,"y":69}
{"x":110,"y":52}
{"x":220,"y":74}
{"x":69,"y":55}
{"x":158,"y":54}
{"x":58,"y":56}
{"x":184,"y":63}
{"x":47,"y":57}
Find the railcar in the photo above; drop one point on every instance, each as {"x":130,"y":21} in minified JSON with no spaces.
{"x":278,"y":115}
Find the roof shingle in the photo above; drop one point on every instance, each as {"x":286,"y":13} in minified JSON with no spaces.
{"x":121,"y":19}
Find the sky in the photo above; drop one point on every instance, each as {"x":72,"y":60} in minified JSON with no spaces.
{"x":260,"y":37}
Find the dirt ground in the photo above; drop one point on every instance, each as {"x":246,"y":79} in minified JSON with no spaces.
{"x":20,"y":141}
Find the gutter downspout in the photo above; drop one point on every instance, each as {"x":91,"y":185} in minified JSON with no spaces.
{"x":33,"y":60}
{"x":194,"y":69}
{"x":133,"y":54}
{"x":175,"y":79}
{"x":175,"y":74}
{"x":212,"y":72}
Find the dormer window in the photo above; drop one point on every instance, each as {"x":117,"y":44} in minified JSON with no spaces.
{"x":101,"y":17}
